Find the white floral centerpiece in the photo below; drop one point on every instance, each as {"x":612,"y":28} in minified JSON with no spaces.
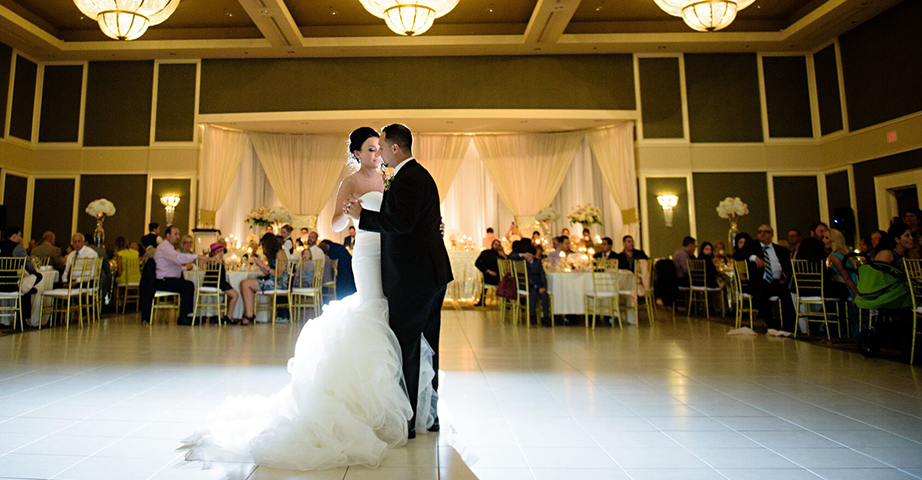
{"x":100,"y":208}
{"x":547,"y":216}
{"x":732,"y":208}
{"x":262,"y":217}
{"x":586,"y":215}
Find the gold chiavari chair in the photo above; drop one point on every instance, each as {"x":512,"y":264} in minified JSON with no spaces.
{"x":208,"y":295}
{"x":163,"y":300}
{"x":130,"y":291}
{"x":809,"y":280}
{"x":646,"y":276}
{"x":282,"y":283}
{"x":697,"y":284}
{"x":66,"y":299}
{"x":329,"y":288}
{"x":520,"y":274}
{"x":627,"y":290}
{"x":914,"y":277}
{"x":307,"y":289}
{"x":741,"y":287}
{"x":505,"y":304}
{"x":604,"y":299}
{"x":92,"y":292}
{"x":12,"y":271}
{"x":40,"y":261}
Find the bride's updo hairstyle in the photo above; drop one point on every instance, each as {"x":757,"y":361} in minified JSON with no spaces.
{"x":357,"y":138}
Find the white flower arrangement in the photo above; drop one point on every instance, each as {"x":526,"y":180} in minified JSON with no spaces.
{"x":585,"y":215}
{"x":100,"y":206}
{"x":548,"y":214}
{"x":732,"y":207}
{"x":265,"y":216}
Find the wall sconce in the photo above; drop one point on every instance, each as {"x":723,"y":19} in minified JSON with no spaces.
{"x":668,"y":202}
{"x":169,"y":202}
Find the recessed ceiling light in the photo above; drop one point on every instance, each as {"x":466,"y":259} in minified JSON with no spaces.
{"x":334,"y":13}
{"x":558,"y":7}
{"x":265,"y":12}
{"x":229,"y":14}
{"x":599,"y":8}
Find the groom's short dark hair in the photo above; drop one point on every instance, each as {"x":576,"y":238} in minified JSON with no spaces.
{"x":399,"y":133}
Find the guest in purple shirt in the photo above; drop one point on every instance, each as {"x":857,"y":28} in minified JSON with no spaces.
{"x":170,"y":267}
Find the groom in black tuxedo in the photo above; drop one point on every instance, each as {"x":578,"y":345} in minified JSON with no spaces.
{"x":414,"y":263}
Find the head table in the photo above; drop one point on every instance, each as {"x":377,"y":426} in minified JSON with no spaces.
{"x":570,"y":290}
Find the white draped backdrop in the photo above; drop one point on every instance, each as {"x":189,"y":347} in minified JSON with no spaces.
{"x":474,"y":174}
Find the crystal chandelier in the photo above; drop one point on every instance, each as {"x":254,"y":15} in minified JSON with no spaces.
{"x":704,"y":15}
{"x":127,"y":19}
{"x":409,"y":17}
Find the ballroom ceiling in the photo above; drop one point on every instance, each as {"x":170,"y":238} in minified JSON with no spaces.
{"x":56,"y":30}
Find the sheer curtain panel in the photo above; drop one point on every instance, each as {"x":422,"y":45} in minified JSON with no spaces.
{"x":222,"y":150}
{"x":613,"y":148}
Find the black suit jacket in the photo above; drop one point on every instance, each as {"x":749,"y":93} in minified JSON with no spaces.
{"x":813,"y":250}
{"x":413,"y":255}
{"x":784,"y":257}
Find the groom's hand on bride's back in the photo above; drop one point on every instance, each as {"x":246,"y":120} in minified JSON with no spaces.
{"x":442,"y":227}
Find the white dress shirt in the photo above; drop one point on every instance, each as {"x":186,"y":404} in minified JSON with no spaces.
{"x":85,"y":252}
{"x":773,"y":260}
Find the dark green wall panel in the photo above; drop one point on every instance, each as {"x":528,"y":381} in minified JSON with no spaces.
{"x":6,"y":57}
{"x":661,"y":97}
{"x":723,"y":97}
{"x":865,"y":195}
{"x":796,"y":203}
{"x":164,"y":186}
{"x":22,"y":108}
{"x":118,"y":104}
{"x":175,"y":103}
{"x":838,"y":192}
{"x":53,"y":207}
{"x":553,"y":81}
{"x":14,"y":198}
{"x":787,"y":97}
{"x":665,"y":240}
{"x":127,"y":193}
{"x":882,"y":66}
{"x":62,"y":87}
{"x":712,"y":188}
{"x":828,"y":96}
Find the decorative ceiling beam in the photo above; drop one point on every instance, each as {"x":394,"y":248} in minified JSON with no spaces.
{"x":274,"y":20}
{"x":549,"y":20}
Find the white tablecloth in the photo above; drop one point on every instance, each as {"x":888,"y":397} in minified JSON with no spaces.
{"x":467,"y":279}
{"x":569,"y":290}
{"x":49,"y":277}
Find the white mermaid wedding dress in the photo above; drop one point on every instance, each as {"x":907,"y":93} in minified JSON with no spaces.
{"x":346,"y":403}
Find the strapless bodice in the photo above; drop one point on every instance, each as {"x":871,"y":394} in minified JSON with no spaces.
{"x":370,"y":201}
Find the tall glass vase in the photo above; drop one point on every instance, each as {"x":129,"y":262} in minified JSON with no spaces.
{"x":99,"y":235}
{"x":734,"y":231}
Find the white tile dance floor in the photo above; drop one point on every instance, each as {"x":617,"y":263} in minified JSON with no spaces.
{"x":679,"y":400}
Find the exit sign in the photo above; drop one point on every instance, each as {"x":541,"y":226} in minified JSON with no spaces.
{"x":891,"y":137}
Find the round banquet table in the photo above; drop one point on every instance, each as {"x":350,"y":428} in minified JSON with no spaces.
{"x":49,"y":277}
{"x":467,"y":281}
{"x":569,"y":290}
{"x":234,"y":277}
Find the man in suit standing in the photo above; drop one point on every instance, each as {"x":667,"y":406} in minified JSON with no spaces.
{"x":152,"y":239}
{"x":345,"y":281}
{"x":770,"y":274}
{"x":414,"y":262}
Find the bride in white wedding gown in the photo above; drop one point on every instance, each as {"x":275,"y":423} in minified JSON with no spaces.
{"x":346,"y":403}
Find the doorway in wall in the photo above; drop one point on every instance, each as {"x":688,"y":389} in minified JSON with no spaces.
{"x":896,"y":193}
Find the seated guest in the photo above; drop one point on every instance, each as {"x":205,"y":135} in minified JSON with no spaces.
{"x":488,"y":263}
{"x":896,"y":245}
{"x":187,"y":245}
{"x":536,"y":238}
{"x":152,"y":239}
{"x":680,"y":257}
{"x":47,"y":249}
{"x":539,"y":252}
{"x":217,"y":255}
{"x":288,"y":245}
{"x":864,"y":245}
{"x":844,"y":273}
{"x":586,"y":239}
{"x":170,"y":267}
{"x":124,"y":252}
{"x":913,"y":218}
{"x":488,"y":240}
{"x":302,"y":241}
{"x":345,"y":282}
{"x":720,"y":254}
{"x":275,"y":258}
{"x":80,"y":250}
{"x":769,"y":275}
{"x":11,"y":246}
{"x":605,"y":251}
{"x":349,"y":242}
{"x":794,"y":241}
{"x":537,"y":287}
{"x":68,"y":250}
{"x":876,"y":235}
{"x":741,"y":248}
{"x":316,"y":251}
{"x":562,"y":251}
{"x":629,"y":254}
{"x":307,"y":269}
{"x":812,"y":248}
{"x":32,"y":245}
{"x":706,"y":253}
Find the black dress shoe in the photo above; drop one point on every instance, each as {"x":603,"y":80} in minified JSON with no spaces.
{"x":186,"y":323}
{"x":435,"y":426}
{"x":412,"y":434}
